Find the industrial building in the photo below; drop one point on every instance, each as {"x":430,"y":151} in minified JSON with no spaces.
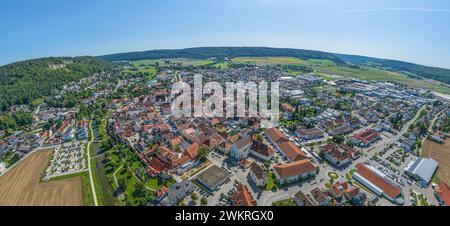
{"x":422,"y":169}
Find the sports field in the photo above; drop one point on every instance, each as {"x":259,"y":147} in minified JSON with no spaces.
{"x":440,"y":153}
{"x":21,"y":186}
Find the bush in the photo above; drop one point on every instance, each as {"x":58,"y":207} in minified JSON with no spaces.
{"x":204,"y":201}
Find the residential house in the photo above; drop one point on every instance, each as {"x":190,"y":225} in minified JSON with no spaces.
{"x":342,"y":189}
{"x":344,"y":129}
{"x":242,"y":196}
{"x":161,"y":193}
{"x":291,"y":151}
{"x":262,"y":151}
{"x":302,"y":199}
{"x":275,"y":136}
{"x":258,"y":174}
{"x":309,"y":134}
{"x":320,"y":197}
{"x":178,"y":192}
{"x":294,"y":171}
{"x":365,"y":138}
{"x":241,"y":148}
{"x":339,"y":155}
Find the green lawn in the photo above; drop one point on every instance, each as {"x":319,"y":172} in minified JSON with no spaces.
{"x":333,"y":175}
{"x":150,"y":71}
{"x":349,"y":175}
{"x":284,"y":61}
{"x":96,"y":180}
{"x":37,"y":101}
{"x":269,"y":60}
{"x":182,"y":61}
{"x":423,"y":200}
{"x":287,"y":202}
{"x":222,"y":65}
{"x":88,"y":198}
{"x":436,"y":179}
{"x":270,"y":182}
{"x":153,"y":183}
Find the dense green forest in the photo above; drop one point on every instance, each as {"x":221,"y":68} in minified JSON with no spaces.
{"x":439,"y":74}
{"x":224,"y":52}
{"x":11,"y":122}
{"x":23,"y":82}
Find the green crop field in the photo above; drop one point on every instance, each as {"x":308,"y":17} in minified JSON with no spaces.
{"x":221,"y":65}
{"x":182,"y":61}
{"x":283,"y":61}
{"x":269,"y":60}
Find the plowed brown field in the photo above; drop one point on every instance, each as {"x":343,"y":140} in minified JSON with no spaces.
{"x":440,"y":153}
{"x":21,"y":186}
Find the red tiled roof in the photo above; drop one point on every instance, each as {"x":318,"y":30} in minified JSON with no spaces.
{"x":214,"y":141}
{"x":338,"y":154}
{"x":287,"y":107}
{"x":192,"y":150}
{"x":245,"y":163}
{"x":291,"y":151}
{"x":262,"y":148}
{"x":214,"y":121}
{"x":351,"y":192}
{"x":233,"y":139}
{"x":318,"y":195}
{"x":257,"y":170}
{"x":310,"y":132}
{"x":295,"y":168}
{"x":151,"y":150}
{"x":242,"y":197}
{"x":388,"y":188}
{"x":276,"y":135}
{"x":162,"y":191}
{"x":367,"y":136}
{"x":179,"y":161}
{"x":156,"y":165}
{"x":444,"y":193}
{"x":176,"y":141}
{"x":339,"y":187}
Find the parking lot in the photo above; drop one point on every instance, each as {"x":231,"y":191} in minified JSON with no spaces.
{"x":237,"y":174}
{"x":66,"y":159}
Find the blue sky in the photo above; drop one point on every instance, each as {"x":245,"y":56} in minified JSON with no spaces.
{"x":410,"y":30}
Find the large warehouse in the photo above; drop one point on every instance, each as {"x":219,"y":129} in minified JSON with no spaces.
{"x":422,"y":169}
{"x":377,"y":182}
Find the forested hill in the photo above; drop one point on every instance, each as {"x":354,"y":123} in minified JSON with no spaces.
{"x":439,"y":74}
{"x":23,"y":82}
{"x":223,"y":52}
